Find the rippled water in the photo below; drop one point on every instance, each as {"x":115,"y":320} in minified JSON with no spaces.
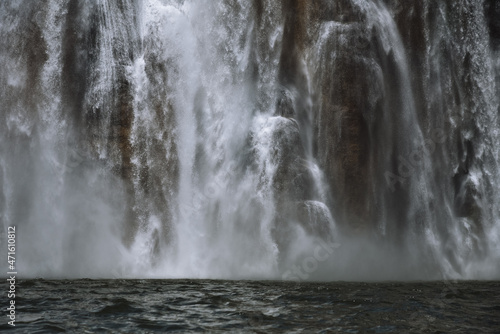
{"x":144,"y":306}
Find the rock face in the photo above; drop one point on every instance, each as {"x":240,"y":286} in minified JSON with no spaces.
{"x":316,"y":219}
{"x":291,"y":181}
{"x":386,"y":77}
{"x":355,"y":86}
{"x":452,"y":61}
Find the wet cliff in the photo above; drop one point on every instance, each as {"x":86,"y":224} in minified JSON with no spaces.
{"x":225,"y":138}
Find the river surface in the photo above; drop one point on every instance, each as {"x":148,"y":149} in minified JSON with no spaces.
{"x":145,"y":306}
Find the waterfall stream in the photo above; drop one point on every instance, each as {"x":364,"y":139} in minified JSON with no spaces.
{"x":347,"y":139}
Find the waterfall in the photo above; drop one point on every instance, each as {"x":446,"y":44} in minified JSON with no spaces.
{"x":231,"y":139}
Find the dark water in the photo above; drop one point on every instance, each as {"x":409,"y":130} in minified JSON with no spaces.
{"x":144,"y":306}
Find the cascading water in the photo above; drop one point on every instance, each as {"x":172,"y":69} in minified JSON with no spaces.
{"x":231,"y":139}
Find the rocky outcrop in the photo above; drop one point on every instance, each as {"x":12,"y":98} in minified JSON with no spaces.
{"x":386,"y":77}
{"x":316,"y":218}
{"x":348,"y":95}
{"x":292,"y":182}
{"x":450,"y":63}
{"x":100,"y":95}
